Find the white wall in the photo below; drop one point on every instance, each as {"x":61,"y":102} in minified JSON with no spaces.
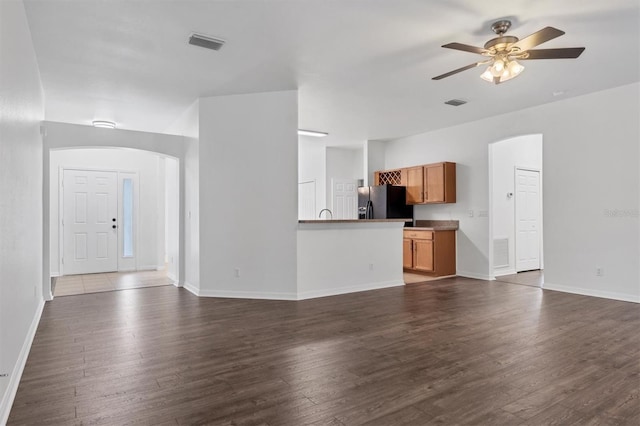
{"x":187,"y":125}
{"x":374,"y":159}
{"x":172,"y":209}
{"x":342,"y":163}
{"x":342,"y":258}
{"x":312,"y":166}
{"x":248,"y":198}
{"x":150,"y":168}
{"x":161,"y":213}
{"x":591,"y":187}
{"x":21,"y":236}
{"x":521,"y":151}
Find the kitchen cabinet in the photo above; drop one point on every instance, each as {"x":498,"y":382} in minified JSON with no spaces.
{"x":413,"y":180}
{"x":440,"y":183}
{"x":407,"y":253}
{"x":426,"y":184}
{"x":429,"y":251}
{"x":388,"y":177}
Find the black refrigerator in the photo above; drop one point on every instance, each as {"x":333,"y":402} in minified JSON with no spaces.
{"x":384,"y":202}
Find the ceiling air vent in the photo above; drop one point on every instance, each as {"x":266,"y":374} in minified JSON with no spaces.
{"x":206,"y":42}
{"x":456,"y":102}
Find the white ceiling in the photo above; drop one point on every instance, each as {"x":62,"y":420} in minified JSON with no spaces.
{"x":363,"y":68}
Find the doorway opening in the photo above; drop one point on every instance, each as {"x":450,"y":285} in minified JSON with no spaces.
{"x":113,"y":219}
{"x":515,"y":197}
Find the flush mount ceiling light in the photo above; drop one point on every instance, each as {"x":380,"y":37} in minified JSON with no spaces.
{"x":504,"y":52}
{"x":312,"y":133}
{"x":104,"y":124}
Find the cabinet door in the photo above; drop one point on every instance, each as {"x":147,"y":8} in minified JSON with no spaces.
{"x":376,"y":178}
{"x":434,"y":183}
{"x":413,"y":180}
{"x":423,"y":255}
{"x":407,"y":253}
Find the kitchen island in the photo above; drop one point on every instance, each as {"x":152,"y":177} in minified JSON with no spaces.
{"x":346,"y":256}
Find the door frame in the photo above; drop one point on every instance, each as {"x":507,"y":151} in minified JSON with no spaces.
{"x":136,"y":205}
{"x":540,"y":215}
{"x":335,"y":181}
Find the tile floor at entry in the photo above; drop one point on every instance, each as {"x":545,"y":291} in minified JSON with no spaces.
{"x":530,"y":278}
{"x":109,"y":281}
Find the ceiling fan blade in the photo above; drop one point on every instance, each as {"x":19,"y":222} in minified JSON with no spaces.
{"x":450,"y":73}
{"x":566,"y":53}
{"x":465,"y":48}
{"x":542,"y":36}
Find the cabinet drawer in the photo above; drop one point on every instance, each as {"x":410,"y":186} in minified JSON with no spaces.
{"x":418,"y":234}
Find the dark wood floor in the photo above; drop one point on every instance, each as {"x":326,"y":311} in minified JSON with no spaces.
{"x":454,"y":351}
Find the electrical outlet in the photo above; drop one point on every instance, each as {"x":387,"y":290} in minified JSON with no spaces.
{"x":599,"y":271}
{"x":237,"y":272}
{"x":483,"y":213}
{"x":470,"y":213}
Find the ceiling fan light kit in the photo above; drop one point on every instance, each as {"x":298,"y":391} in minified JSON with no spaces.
{"x":504,"y":52}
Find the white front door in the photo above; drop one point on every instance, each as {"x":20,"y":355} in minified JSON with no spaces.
{"x":527,"y":220}
{"x":344,"y":198}
{"x":90,"y":235}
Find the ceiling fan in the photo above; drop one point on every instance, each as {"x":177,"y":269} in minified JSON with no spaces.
{"x":505,"y":51}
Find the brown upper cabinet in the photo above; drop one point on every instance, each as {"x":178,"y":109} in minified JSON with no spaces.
{"x":413,"y":180}
{"x":426,"y":184}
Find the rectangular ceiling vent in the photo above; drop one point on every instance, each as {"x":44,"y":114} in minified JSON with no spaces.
{"x":206,"y":41}
{"x":456,"y":102}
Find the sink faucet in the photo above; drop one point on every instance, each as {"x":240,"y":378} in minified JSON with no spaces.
{"x":326,"y":210}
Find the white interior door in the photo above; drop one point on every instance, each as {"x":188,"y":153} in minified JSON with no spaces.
{"x":344,"y":198}
{"x":307,"y":200}
{"x":527,"y":220}
{"x":90,"y":235}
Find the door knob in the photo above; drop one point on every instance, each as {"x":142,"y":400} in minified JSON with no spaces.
{"x":114,"y":219}
{"x":114,"y":227}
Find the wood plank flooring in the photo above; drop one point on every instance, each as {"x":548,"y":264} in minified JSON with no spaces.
{"x":453,"y":351}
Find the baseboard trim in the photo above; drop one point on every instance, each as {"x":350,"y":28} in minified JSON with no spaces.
{"x":504,"y":272}
{"x":248,"y":295}
{"x":18,"y":368}
{"x":313,"y":294}
{"x":590,"y":292}
{"x":149,"y":268}
{"x":54,"y":274}
{"x":474,"y":275}
{"x":191,"y":288}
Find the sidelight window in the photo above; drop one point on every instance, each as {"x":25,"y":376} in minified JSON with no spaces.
{"x":127,"y":219}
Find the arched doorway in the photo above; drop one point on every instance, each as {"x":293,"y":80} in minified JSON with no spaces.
{"x":515,"y":198}
{"x":66,"y":137}
{"x":113,"y":215}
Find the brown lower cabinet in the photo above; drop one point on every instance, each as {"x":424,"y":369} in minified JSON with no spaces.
{"x":429,"y":252}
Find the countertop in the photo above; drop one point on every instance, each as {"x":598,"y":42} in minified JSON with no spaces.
{"x":436,"y":225}
{"x":353,"y":220}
